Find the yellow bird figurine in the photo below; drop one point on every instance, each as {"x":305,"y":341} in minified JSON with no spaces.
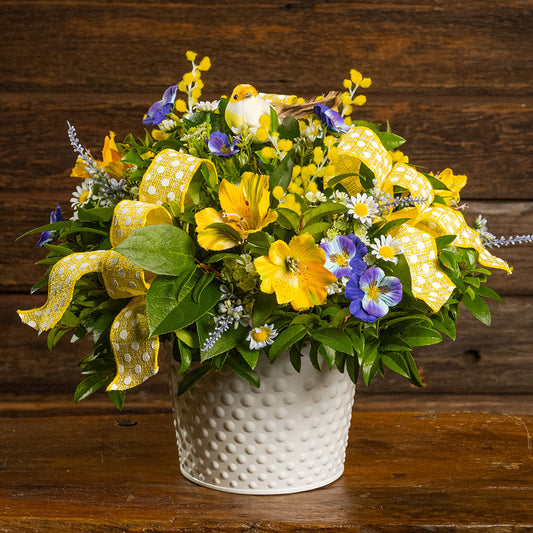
{"x":244,"y":109}
{"x":246,"y":106}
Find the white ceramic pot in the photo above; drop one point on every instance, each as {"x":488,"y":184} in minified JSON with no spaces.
{"x":288,"y":435}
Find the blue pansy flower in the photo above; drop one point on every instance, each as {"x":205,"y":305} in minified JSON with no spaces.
{"x":159,"y":111}
{"x":372,"y":294}
{"x":330,"y":118}
{"x":48,"y":236}
{"x":218,"y":144}
{"x":341,"y":252}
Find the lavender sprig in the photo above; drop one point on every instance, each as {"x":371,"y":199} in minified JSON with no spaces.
{"x":405,"y":201}
{"x":90,"y":164}
{"x":222,"y":326}
{"x":508,"y":241}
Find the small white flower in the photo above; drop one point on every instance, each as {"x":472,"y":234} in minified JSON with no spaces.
{"x":206,"y":106}
{"x":167,"y":125}
{"x":315,"y":197}
{"x":341,"y":197}
{"x":82,"y":194}
{"x":312,"y":130}
{"x":362,"y":207}
{"x":386,"y":248}
{"x":261,"y":336}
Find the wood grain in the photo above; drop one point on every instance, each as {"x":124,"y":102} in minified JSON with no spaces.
{"x":454,"y":78}
{"x":404,"y":472}
{"x":479,"y":47}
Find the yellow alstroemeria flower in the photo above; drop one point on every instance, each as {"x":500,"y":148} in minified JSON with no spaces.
{"x":111,"y":160}
{"x":245,"y":208}
{"x":295,"y":272}
{"x":454,"y":183}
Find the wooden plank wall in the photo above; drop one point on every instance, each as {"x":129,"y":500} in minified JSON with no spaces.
{"x":454,"y":77}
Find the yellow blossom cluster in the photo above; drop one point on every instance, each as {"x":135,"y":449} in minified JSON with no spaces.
{"x":192,"y":84}
{"x":279,"y":146}
{"x":348,"y":97}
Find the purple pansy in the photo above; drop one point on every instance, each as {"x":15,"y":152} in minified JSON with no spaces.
{"x":330,"y":118}
{"x":48,"y":236}
{"x":218,"y":144}
{"x":372,"y":293}
{"x":341,"y":252}
{"x":159,"y":111}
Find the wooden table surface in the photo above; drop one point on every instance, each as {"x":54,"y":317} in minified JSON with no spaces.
{"x":405,"y":471}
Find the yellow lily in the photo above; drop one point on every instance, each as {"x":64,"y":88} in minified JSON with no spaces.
{"x":295,"y":272}
{"x":454,"y":184}
{"x":245,"y":208}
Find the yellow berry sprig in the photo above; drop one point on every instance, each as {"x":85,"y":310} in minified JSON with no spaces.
{"x":348,"y":98}
{"x":279,"y":146}
{"x":192,"y":84}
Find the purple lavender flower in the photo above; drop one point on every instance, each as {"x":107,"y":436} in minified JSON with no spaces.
{"x":330,"y":118}
{"x":218,"y":144}
{"x":159,"y":111}
{"x":372,"y":293}
{"x":341,"y":252}
{"x":48,"y":236}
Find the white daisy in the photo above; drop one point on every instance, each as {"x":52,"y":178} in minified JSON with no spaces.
{"x":362,"y":207}
{"x":386,"y":248}
{"x":261,"y":336}
{"x":82,"y":194}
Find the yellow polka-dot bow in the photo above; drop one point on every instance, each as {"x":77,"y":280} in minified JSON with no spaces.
{"x":417,"y":237}
{"x":136,"y":353}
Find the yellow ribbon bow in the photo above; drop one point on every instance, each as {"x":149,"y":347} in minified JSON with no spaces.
{"x":417,"y":238}
{"x":136,"y":353}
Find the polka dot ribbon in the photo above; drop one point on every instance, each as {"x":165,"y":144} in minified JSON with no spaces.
{"x":136,"y":353}
{"x":417,"y":237}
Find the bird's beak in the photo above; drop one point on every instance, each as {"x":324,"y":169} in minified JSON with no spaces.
{"x":248,"y":95}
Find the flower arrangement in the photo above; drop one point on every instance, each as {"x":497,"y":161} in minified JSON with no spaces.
{"x":250,"y":226}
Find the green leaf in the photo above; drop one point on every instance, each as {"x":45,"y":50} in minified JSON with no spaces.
{"x":290,"y":128}
{"x":117,"y":397}
{"x":487,"y":292}
{"x":192,"y":377}
{"x":289,"y":219}
{"x":328,"y":354}
{"x":263,"y":306}
{"x":370,"y":362}
{"x":389,"y":140}
{"x":243,"y":370}
{"x":282,"y":175}
{"x":89,"y":385}
{"x":316,"y":229}
{"x":286,"y":339}
{"x":443,"y":241}
{"x":187,"y":337}
{"x":54,"y":226}
{"x":324,"y":210}
{"x":184,"y":354}
{"x":478,"y":307}
{"x":161,"y":249}
{"x":162,"y":296}
{"x":96,"y":214}
{"x":436,"y":183}
{"x":188,"y":311}
{"x":420,"y":336}
{"x":250,"y":356}
{"x":335,"y":338}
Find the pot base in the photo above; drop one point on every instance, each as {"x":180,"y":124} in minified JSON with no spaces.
{"x":289,"y":435}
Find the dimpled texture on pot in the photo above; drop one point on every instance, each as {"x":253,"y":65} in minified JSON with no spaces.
{"x":288,"y":435}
